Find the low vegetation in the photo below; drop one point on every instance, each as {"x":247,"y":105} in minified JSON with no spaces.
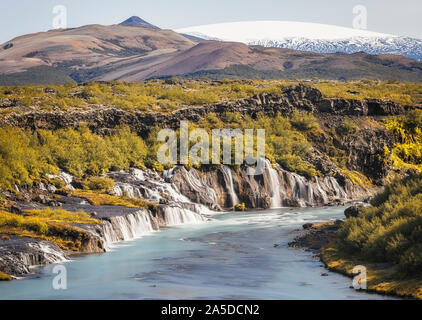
{"x":58,"y":216}
{"x":171,"y":94}
{"x":5,"y":277}
{"x":381,"y":277}
{"x":390,"y":230}
{"x":47,"y":224}
{"x":30,"y":156}
{"x":407,"y":153}
{"x":405,"y":93}
{"x":386,"y":238}
{"x":97,"y":198}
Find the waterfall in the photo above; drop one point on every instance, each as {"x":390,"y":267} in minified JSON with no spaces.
{"x":228,"y":178}
{"x":275,"y":186}
{"x":43,"y":253}
{"x":127,"y":227}
{"x":175,"y":216}
{"x":321,"y":191}
{"x":110,"y":235}
{"x":339,"y":193}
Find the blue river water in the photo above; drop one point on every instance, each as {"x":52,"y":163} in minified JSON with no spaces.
{"x":231,"y":257}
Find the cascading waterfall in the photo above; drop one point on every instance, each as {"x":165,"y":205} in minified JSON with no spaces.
{"x":228,"y":178}
{"x":303,"y":190}
{"x":321,"y":191}
{"x":339,"y":192}
{"x":275,"y":186}
{"x":128,"y":227}
{"x":175,"y":216}
{"x":150,"y":186}
{"x":43,"y":253}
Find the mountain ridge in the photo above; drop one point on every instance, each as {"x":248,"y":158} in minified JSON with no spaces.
{"x":121,"y":52}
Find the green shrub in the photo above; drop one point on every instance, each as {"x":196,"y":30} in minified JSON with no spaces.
{"x":391,"y":230}
{"x":36,"y":226}
{"x":347,"y":128}
{"x":304,"y":121}
{"x":58,"y":183}
{"x":5,"y":277}
{"x":30,"y":156}
{"x":99,"y":183}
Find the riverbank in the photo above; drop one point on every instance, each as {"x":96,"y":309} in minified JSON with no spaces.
{"x":382,"y":278}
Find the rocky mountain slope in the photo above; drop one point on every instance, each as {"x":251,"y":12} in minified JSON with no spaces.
{"x":86,"y":51}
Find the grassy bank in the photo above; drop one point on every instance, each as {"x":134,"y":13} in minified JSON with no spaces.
{"x":386,"y":238}
{"x":382,"y":278}
{"x":99,"y":198}
{"x":48,"y":224}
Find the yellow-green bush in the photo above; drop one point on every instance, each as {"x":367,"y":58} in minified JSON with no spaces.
{"x":99,"y":183}
{"x":408,"y":130}
{"x":49,"y":225}
{"x":59,"y":215}
{"x":20,"y":161}
{"x":166,"y":96}
{"x":30,"y":156}
{"x":304,"y":121}
{"x":5,"y":277}
{"x":391,"y":230}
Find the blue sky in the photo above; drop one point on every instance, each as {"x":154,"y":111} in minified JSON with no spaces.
{"x":19,"y":17}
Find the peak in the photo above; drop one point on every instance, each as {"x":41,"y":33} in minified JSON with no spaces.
{"x":135,"y":21}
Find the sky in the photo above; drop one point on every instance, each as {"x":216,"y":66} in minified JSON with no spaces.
{"x":18,"y":17}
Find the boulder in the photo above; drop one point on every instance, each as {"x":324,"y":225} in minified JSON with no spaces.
{"x":15,"y":209}
{"x":353,"y":211}
{"x":42,"y":199}
{"x":307,"y":226}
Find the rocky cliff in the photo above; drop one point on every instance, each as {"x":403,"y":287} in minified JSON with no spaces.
{"x":102,"y":119}
{"x":274,"y":189}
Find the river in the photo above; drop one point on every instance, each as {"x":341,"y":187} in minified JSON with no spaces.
{"x":231,"y":257}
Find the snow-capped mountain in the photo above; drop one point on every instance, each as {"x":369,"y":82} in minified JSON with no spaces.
{"x":315,"y":37}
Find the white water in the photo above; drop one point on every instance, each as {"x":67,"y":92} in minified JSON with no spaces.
{"x":321,"y":191}
{"x":228,"y":177}
{"x":303,"y":190}
{"x":176,"y":216}
{"x":44,"y":251}
{"x":128,"y":227}
{"x":275,"y":186}
{"x":139,"y":224}
{"x":339,"y":192}
{"x":157,"y":187}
